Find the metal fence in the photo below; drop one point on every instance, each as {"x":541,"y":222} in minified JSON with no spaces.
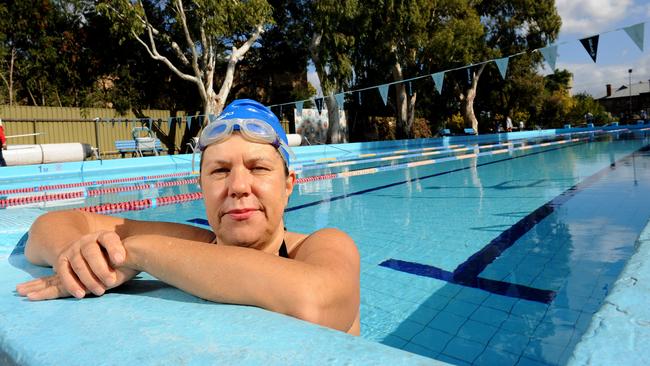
{"x":95,"y":126}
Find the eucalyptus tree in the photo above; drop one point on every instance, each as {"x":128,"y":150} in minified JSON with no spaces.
{"x":194,"y":38}
{"x":399,"y":39}
{"x":510,"y":27}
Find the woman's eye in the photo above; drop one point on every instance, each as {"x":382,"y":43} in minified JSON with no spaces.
{"x":220,"y":171}
{"x":261,"y":169}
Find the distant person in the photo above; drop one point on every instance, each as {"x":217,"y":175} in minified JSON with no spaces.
{"x":3,"y":139}
{"x":508,"y":124}
{"x":248,"y":257}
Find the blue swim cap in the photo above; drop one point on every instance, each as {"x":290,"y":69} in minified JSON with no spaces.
{"x":248,"y":109}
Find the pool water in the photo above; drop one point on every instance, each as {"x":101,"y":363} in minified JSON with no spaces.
{"x":489,"y":259}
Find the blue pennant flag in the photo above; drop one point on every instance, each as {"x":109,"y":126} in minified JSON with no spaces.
{"x":410,"y":89}
{"x":383,"y":90}
{"x":340,"y":100}
{"x":550,"y":55}
{"x":438,"y":79}
{"x":636,"y":33}
{"x":502,"y":64}
{"x":359,"y":96}
{"x":149,"y":122}
{"x":299,"y":108}
{"x":591,"y":45}
{"x":188,"y":119}
{"x":170,"y":122}
{"x":112,"y":122}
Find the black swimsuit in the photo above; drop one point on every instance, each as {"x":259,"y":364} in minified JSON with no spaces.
{"x":283,"y":250}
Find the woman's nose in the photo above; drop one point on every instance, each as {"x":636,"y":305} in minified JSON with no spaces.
{"x":239,"y":183}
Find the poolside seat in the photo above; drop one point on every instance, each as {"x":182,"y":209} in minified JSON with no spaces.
{"x":469,"y":131}
{"x":445,"y":132}
{"x":567,"y":126}
{"x":139,"y":146}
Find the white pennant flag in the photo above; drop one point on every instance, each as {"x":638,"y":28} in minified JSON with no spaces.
{"x":438,"y":80}
{"x":299,"y":108}
{"x":550,"y":55}
{"x":189,"y":122}
{"x":636,"y":33}
{"x":383,"y":90}
{"x":502,"y":64}
{"x":340,"y":100}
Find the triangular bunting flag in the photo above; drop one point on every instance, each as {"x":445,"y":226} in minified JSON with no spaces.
{"x":319,"y":104}
{"x":359,"y":96}
{"x":299,"y":108}
{"x":112,"y":122}
{"x":469,"y":75}
{"x":502,"y":64}
{"x":340,"y":100}
{"x":170,"y":121}
{"x":149,"y":122}
{"x":636,"y":33}
{"x":383,"y":90}
{"x":189,"y":122}
{"x":410,"y":90}
{"x":438,"y":79}
{"x":550,"y":55}
{"x":591,"y":45}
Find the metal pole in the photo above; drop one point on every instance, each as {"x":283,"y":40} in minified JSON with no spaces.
{"x":97,"y":135}
{"x":629,"y":72}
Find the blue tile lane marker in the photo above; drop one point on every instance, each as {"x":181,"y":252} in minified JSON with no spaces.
{"x":466,"y":273}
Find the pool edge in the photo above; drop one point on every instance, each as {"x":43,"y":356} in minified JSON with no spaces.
{"x":620,"y":331}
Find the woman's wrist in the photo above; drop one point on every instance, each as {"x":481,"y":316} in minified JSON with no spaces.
{"x":134,"y":252}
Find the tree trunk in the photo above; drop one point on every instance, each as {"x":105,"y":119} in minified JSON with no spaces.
{"x":467,"y":100}
{"x":405,"y":106}
{"x":11,"y":77}
{"x":336,"y":130}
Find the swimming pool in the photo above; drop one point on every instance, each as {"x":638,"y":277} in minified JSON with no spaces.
{"x":492,"y":254}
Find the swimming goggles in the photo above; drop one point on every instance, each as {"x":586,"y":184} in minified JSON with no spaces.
{"x":251,"y":129}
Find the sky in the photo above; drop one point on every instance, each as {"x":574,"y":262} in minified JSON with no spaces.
{"x":616,"y":51}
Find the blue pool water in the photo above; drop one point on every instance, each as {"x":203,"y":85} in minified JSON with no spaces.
{"x":497,"y":259}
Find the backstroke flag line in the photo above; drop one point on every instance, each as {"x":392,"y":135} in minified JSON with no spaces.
{"x":550,"y":55}
{"x":438,"y":79}
{"x":502,"y":64}
{"x":383,"y":90}
{"x":636,"y":33}
{"x":591,"y":45}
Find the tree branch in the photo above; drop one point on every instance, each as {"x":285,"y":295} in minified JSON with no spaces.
{"x":188,"y":39}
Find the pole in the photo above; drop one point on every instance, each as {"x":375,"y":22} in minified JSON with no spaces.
{"x":97,"y":134}
{"x":629,"y":72}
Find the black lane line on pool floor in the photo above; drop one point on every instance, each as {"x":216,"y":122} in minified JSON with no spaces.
{"x":467,"y":273}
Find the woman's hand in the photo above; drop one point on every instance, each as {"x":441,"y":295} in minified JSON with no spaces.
{"x":88,"y":265}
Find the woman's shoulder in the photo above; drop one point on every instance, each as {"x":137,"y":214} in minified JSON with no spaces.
{"x":330,"y":238}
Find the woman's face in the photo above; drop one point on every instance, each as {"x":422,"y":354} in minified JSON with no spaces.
{"x":245,"y":190}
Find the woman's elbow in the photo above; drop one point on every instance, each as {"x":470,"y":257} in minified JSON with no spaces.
{"x":318,"y":310}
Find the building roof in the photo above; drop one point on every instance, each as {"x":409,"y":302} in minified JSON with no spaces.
{"x":623,"y":91}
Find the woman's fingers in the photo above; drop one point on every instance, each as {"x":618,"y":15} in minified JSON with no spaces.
{"x":98,"y":264}
{"x":45,"y":288}
{"x":113,"y":245}
{"x":85,"y":275}
{"x":69,"y":279}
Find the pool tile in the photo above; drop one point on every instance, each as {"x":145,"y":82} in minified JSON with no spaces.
{"x":478,"y":332}
{"x":394,"y":341}
{"x":432,"y":339}
{"x":557,"y":315}
{"x":461,"y":308}
{"x":489,"y":316}
{"x":423,"y":315}
{"x":525,"y":361}
{"x":491,"y":356}
{"x":498,"y":302}
{"x":407,"y":329}
{"x":463,"y":349}
{"x":414,"y":348}
{"x":447,"y":322}
{"x":449,"y":290}
{"x":517,"y":324}
{"x":436,"y":302}
{"x":529,"y":309}
{"x":472,"y":295}
{"x":543,"y":352}
{"x":555,"y":334}
{"x":452,"y":360}
{"x":504,"y":340}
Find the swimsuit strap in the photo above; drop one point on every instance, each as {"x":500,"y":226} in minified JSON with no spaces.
{"x":283,"y":250}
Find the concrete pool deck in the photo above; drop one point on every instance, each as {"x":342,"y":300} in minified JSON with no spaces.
{"x":619,"y":333}
{"x":149,"y":323}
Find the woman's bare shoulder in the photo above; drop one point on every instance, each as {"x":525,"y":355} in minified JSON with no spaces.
{"x":327,"y":238}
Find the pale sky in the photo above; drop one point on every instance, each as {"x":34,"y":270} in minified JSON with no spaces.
{"x":616,"y":51}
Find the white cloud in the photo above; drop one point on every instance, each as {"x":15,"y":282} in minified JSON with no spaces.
{"x":592,"y":78}
{"x":587,"y":17}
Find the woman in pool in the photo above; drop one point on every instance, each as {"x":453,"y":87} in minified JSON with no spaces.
{"x":247,"y":258}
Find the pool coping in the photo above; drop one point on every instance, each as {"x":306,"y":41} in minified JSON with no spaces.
{"x":620,"y":331}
